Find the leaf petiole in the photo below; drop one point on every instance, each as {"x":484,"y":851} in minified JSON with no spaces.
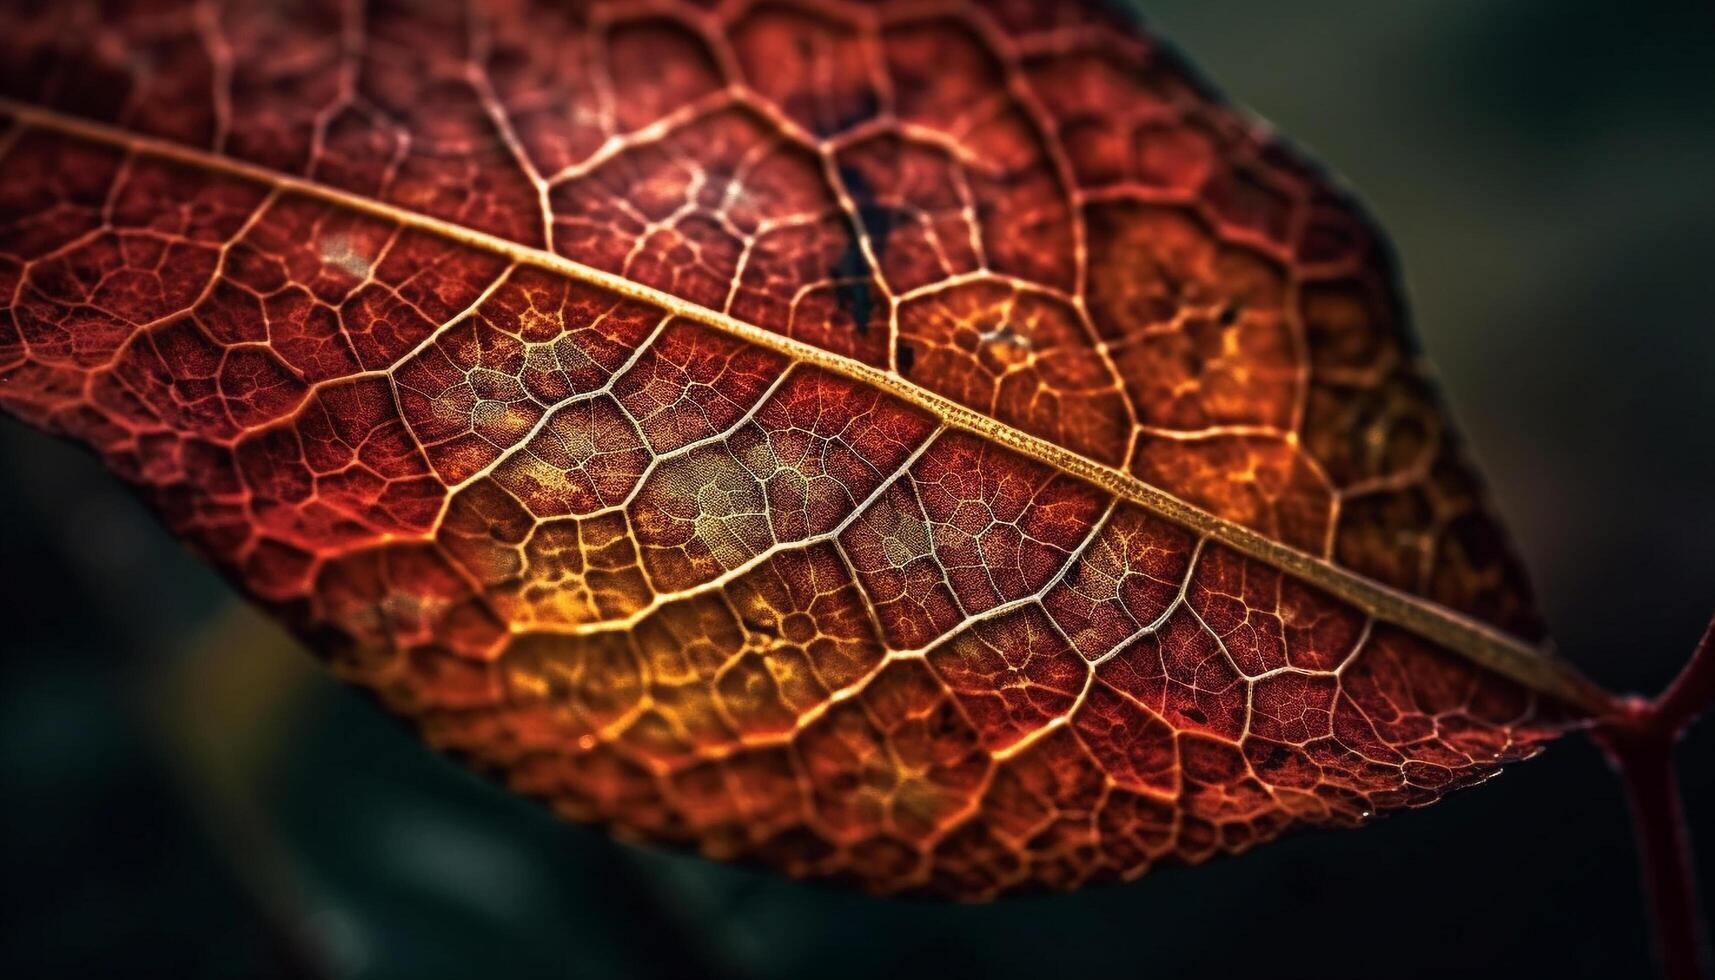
{"x":1638,"y":739}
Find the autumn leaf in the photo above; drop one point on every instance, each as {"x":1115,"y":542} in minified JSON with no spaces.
{"x":943,"y":448}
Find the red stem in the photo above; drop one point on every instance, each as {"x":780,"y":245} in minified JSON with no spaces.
{"x":1638,"y":739}
{"x":1693,"y":691}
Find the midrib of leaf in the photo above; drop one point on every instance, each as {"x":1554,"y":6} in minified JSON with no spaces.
{"x":1535,"y":667}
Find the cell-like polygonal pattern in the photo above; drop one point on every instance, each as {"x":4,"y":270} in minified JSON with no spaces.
{"x":668,"y":577}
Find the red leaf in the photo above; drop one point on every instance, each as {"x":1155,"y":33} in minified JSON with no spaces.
{"x":952,"y":452}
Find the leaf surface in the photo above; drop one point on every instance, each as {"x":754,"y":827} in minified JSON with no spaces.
{"x":938,"y":446}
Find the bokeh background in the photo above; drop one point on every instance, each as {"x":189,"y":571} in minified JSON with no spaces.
{"x":182,"y":793}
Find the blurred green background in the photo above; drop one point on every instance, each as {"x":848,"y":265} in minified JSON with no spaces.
{"x":184,"y":794}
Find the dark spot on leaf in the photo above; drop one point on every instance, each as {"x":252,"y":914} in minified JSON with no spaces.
{"x":855,"y":292}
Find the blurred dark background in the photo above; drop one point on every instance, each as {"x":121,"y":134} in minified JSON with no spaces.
{"x":184,"y":794}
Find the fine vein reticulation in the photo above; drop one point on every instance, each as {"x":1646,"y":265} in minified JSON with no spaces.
{"x":940,"y":447}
